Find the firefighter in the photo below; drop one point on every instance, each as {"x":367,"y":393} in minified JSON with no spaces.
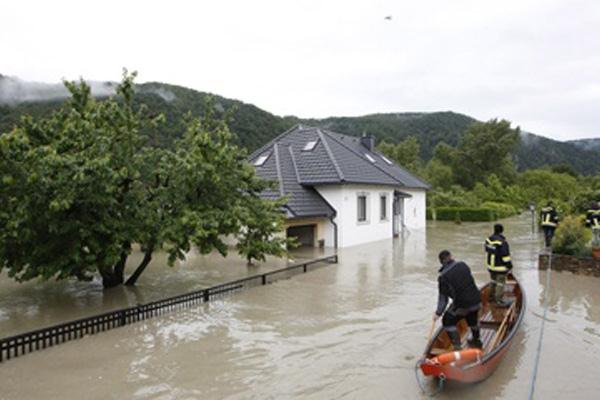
{"x":549,"y":220}
{"x":456,"y":282}
{"x":593,"y":216}
{"x":499,"y":264}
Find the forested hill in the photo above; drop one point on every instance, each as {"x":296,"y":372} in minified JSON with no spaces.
{"x":588,"y":144}
{"x":254,"y":126}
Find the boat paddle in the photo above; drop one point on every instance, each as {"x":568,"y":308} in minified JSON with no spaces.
{"x":430,"y":334}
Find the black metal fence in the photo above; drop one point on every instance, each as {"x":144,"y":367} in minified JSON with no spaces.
{"x":18,"y":345}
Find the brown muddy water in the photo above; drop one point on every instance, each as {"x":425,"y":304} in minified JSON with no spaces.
{"x":348,"y":331}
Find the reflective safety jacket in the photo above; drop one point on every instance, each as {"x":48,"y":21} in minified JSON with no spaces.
{"x":549,"y":217}
{"x":593,"y":218}
{"x":497,"y":254}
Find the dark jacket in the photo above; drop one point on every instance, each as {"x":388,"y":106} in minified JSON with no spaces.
{"x":497,"y":254}
{"x":456,"y":282}
{"x":549,"y":217}
{"x":593,"y":217}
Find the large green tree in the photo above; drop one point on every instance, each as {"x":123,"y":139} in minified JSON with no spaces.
{"x":406,"y":153}
{"x":485,"y":149}
{"x":81,"y":187}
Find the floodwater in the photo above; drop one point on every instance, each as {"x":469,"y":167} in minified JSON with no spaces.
{"x":348,"y":331}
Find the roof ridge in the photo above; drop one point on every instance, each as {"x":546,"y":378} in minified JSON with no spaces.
{"x":272,"y":141}
{"x":330,"y":154}
{"x":278,"y":169}
{"x":294,"y":163}
{"x":402,"y":168}
{"x":361,"y":157}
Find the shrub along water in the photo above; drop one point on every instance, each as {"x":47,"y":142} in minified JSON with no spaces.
{"x":571,"y":237}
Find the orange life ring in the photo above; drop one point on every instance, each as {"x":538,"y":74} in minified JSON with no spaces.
{"x":459,"y":357}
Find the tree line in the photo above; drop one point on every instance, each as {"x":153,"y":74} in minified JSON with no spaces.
{"x":481,"y":169}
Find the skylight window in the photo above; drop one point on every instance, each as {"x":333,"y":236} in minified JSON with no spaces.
{"x":261,"y":160}
{"x":369,"y":157}
{"x":385,"y":159}
{"x":310,"y":145}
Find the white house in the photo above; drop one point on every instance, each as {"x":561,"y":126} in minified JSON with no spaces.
{"x":341,"y":191}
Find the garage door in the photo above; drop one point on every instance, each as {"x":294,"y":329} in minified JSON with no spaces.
{"x":304,"y":234}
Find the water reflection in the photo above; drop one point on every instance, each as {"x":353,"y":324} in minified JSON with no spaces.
{"x":35,"y":304}
{"x":348,"y":331}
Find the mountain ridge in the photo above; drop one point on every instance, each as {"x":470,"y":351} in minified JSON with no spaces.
{"x":254,"y":126}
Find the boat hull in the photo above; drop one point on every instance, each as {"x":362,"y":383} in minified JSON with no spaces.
{"x":493,"y":321}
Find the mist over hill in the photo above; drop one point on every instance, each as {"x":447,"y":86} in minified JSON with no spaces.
{"x":587,"y":144}
{"x":254,"y":126}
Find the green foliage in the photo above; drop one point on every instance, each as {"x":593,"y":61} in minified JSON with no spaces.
{"x":439,"y":175}
{"x":484,"y":150}
{"x":541,"y":185}
{"x":456,"y":196}
{"x":500,"y":209}
{"x":564,"y":168}
{"x":79,"y":188}
{"x":465,"y":214}
{"x":405,"y":153}
{"x":571,"y":237}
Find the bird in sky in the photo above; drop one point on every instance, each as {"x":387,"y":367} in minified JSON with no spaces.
{"x":388,"y":18}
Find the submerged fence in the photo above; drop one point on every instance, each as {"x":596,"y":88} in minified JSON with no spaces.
{"x":18,"y":345}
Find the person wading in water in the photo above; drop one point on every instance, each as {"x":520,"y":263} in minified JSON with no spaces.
{"x":498,"y":263}
{"x":456,"y":282}
{"x":549,"y":220}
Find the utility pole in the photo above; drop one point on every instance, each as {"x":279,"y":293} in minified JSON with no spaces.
{"x":532,"y":209}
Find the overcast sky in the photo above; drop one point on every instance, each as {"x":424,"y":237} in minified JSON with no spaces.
{"x":536,"y":63}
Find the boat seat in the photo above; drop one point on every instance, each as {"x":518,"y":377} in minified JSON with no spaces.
{"x":437,"y":351}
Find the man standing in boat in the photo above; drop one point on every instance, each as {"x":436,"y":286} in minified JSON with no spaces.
{"x":456,"y":282}
{"x":498,"y":263}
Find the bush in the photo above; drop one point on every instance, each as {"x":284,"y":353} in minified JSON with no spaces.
{"x":502,"y":210}
{"x":571,"y":237}
{"x":465,"y":214}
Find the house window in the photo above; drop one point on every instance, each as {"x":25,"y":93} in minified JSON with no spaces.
{"x":362,"y":208}
{"x":310,"y":146}
{"x":261,"y":160}
{"x":387,"y":160}
{"x":383,"y":207}
{"x":370,"y":158}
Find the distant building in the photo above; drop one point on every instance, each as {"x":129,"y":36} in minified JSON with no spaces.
{"x":341,"y":192}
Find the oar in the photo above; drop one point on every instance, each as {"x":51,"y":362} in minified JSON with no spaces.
{"x":431,"y":331}
{"x":429,"y":337}
{"x":502,"y":327}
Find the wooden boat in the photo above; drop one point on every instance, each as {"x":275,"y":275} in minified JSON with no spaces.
{"x":498,"y":328}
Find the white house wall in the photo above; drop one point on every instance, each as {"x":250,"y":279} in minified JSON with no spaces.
{"x":414,"y":208}
{"x":344,"y":199}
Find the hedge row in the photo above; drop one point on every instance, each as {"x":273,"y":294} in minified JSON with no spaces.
{"x":465,"y":214}
{"x":502,"y":210}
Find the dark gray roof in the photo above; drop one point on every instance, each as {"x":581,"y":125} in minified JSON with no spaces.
{"x":335,"y":159}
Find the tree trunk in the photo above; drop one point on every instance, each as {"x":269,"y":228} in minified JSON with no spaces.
{"x":120,"y":266}
{"x":113,"y":276}
{"x":110,"y":278}
{"x":138,"y":271}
